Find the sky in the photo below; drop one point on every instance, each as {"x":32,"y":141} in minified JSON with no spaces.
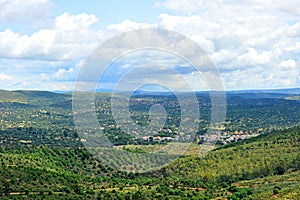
{"x":253,"y":44}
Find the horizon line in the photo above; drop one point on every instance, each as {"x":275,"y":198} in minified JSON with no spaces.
{"x":151,"y":91}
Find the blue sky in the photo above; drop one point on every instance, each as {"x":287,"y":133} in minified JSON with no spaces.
{"x":112,"y":12}
{"x":254,"y":44}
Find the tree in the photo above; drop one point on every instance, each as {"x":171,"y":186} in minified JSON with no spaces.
{"x":7,"y":188}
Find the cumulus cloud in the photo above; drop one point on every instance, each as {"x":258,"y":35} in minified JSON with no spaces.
{"x":37,"y":56}
{"x":74,"y":22}
{"x":290,"y":63}
{"x":257,"y":78}
{"x":69,"y":38}
{"x":61,"y":74}
{"x":15,"y":45}
{"x":128,"y":25}
{"x":253,"y":43}
{"x":253,"y":58}
{"x":64,"y":74}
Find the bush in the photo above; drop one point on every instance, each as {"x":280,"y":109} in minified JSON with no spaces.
{"x":238,"y":193}
{"x":233,"y":189}
{"x":276,"y":190}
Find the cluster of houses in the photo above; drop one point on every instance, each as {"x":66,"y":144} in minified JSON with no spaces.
{"x":228,"y":138}
{"x":223,"y":138}
{"x":159,"y":138}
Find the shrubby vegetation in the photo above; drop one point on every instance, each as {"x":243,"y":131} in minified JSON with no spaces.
{"x":43,"y":172}
{"x":42,"y":157}
{"x":47,"y":118}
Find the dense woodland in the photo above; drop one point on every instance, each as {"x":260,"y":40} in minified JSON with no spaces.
{"x":42,"y":157}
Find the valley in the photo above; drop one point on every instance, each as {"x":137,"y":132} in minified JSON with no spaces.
{"x":43,"y":156}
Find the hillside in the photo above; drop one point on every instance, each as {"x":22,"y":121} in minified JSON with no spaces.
{"x":45,"y":118}
{"x":229,"y":171}
{"x":32,"y":97}
{"x":42,"y":157}
{"x":269,"y":154}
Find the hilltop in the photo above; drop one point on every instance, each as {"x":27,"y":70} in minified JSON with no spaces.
{"x":32,"y":97}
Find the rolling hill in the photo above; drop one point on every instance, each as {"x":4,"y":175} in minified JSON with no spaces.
{"x":264,"y":167}
{"x":32,"y":97}
{"x":41,"y":156}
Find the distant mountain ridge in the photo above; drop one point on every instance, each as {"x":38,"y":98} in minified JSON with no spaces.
{"x":278,"y":91}
{"x":34,"y":96}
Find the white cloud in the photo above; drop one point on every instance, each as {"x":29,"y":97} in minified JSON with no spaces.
{"x":225,"y":6}
{"x":80,"y":63}
{"x":19,"y":10}
{"x":224,"y":56}
{"x":17,"y":45}
{"x":74,"y":22}
{"x":44,"y":77}
{"x":70,"y":38}
{"x":293,"y":47}
{"x":257,"y":78}
{"x":290,"y":63}
{"x":189,"y":25}
{"x":189,"y":6}
{"x":64,"y":74}
{"x":61,"y":74}
{"x":294,"y":30}
{"x":253,"y":58}
{"x":4,"y":77}
{"x":128,"y":25}
{"x":253,"y":43}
